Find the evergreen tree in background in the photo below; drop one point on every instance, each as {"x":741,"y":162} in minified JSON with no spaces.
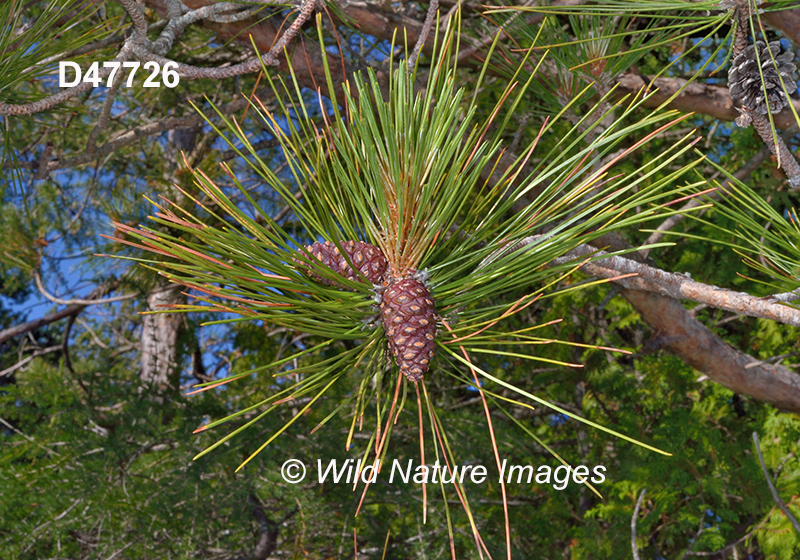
{"x":532,"y":189}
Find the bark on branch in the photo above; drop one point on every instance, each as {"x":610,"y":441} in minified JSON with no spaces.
{"x":678,"y":286}
{"x":701,"y":349}
{"x":639,"y":276}
{"x":697,"y":97}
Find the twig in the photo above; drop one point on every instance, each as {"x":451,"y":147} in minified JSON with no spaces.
{"x":695,"y":539}
{"x":136,"y":13}
{"x":634,"y":548}
{"x":130,"y":137}
{"x":20,"y":364}
{"x":178,"y":23}
{"x":433,"y":7}
{"x":775,"y":496}
{"x":121,"y":550}
{"x":735,"y":543}
{"x":15,"y":430}
{"x":140,"y":46}
{"x":58,"y":98}
{"x":306,"y":9}
{"x":742,"y":174}
{"x":698,"y":347}
{"x":100,"y":291}
{"x":102,"y":120}
{"x":97,"y":340}
{"x":83,"y":302}
{"x":785,"y":297}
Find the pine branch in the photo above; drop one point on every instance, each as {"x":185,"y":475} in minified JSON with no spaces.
{"x":705,"y":99}
{"x":433,"y":8}
{"x":88,"y":301}
{"x":127,"y":138}
{"x":701,"y":349}
{"x":22,"y":363}
{"x":138,"y":45}
{"x":58,"y":98}
{"x":639,"y":276}
{"x":680,"y":287}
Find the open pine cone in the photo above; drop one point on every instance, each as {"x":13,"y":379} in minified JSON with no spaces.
{"x":744,"y":79}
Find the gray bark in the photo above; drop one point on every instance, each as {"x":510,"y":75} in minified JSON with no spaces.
{"x":160,"y":333}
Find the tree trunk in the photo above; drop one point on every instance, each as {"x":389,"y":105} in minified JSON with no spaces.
{"x":160,"y":334}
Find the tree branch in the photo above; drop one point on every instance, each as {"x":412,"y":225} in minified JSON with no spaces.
{"x":97,"y":293}
{"x":711,"y":100}
{"x":83,"y":302}
{"x":634,"y":548}
{"x":701,"y":349}
{"x":640,"y":276}
{"x":36,"y":354}
{"x":433,"y":7}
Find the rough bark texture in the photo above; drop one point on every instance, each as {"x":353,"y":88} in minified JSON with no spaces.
{"x":678,"y":286}
{"x":160,"y":334}
{"x":706,"y":99}
{"x":268,"y":530}
{"x":701,"y":349}
{"x":711,"y":100}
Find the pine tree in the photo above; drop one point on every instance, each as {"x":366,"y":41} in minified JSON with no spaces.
{"x":402,"y":172}
{"x":92,"y":464}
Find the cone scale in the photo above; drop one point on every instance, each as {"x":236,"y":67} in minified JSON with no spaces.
{"x":367,"y":258}
{"x":409,"y":319}
{"x":778,"y":72}
{"x":407,"y":310}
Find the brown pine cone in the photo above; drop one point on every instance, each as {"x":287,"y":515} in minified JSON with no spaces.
{"x":367,"y":258}
{"x":409,"y":319}
{"x":744,"y":78}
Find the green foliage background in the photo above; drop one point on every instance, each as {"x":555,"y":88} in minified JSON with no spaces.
{"x":94,"y":465}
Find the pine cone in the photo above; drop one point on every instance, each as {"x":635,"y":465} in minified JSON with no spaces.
{"x":744,"y":79}
{"x":410,"y":323}
{"x":367,"y":258}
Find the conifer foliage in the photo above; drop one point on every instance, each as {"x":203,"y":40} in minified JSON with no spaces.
{"x":408,"y":248}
